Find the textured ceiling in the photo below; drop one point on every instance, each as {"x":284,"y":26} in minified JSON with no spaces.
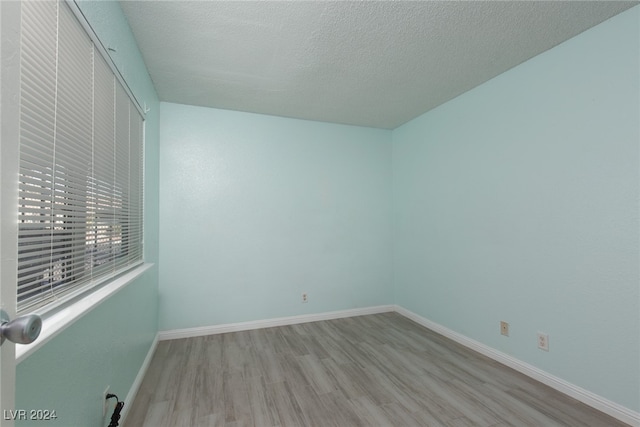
{"x":376,"y":64}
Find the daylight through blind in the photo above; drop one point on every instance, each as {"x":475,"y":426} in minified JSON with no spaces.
{"x":81,"y":161}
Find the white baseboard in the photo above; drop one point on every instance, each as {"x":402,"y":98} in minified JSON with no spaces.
{"x":617,"y":411}
{"x":270,"y":323}
{"x":133,"y":391}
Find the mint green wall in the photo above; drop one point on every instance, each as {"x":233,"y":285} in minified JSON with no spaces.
{"x":104,"y":348}
{"x":255,"y":210}
{"x":108,"y":345}
{"x":518,"y":201}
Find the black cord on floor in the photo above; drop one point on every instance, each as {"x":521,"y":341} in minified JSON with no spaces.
{"x":115,"y":417}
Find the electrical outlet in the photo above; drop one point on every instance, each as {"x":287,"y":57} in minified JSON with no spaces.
{"x":105,"y":402}
{"x":543,"y":341}
{"x":504,"y":328}
{"x":305,"y":297}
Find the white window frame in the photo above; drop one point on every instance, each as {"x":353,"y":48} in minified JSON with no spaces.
{"x":70,"y":306}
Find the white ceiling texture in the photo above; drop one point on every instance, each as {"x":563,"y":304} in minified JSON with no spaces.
{"x":366,"y":63}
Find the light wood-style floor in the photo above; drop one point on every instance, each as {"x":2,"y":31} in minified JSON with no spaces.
{"x":377,"y":370}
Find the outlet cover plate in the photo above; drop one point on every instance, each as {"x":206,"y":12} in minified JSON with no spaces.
{"x":504,"y":328}
{"x":543,"y":341}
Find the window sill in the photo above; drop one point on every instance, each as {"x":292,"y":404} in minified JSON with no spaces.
{"x":57,"y":321}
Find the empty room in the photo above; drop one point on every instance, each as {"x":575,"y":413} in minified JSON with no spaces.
{"x":320,"y":213}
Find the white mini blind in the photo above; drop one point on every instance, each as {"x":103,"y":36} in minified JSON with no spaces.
{"x":81,"y":161}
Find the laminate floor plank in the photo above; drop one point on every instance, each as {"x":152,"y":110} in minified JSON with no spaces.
{"x":286,"y":406}
{"x":212,"y":420}
{"x":401,"y":417}
{"x":560,"y":411}
{"x":313,"y":409}
{"x":394,"y":391}
{"x":293,"y":342}
{"x":343,"y":414}
{"x":341,"y":379}
{"x":370,"y":413}
{"x":452,"y":398}
{"x":515,"y":412}
{"x":315,"y":374}
{"x":366,"y":381}
{"x":294,"y":376}
{"x":431,"y":398}
{"x":209,"y":392}
{"x":139,"y":411}
{"x":376,"y":370}
{"x":158,"y":414}
{"x":335,"y":351}
{"x":315,"y":348}
{"x":261,"y":403}
{"x":270,"y":367}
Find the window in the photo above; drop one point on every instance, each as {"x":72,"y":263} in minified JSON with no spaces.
{"x":81,"y":161}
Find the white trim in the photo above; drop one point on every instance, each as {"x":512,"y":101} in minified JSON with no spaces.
{"x":270,"y":323}
{"x":10,"y":30}
{"x":616,"y":410}
{"x":61,"y":319}
{"x":133,"y":391}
